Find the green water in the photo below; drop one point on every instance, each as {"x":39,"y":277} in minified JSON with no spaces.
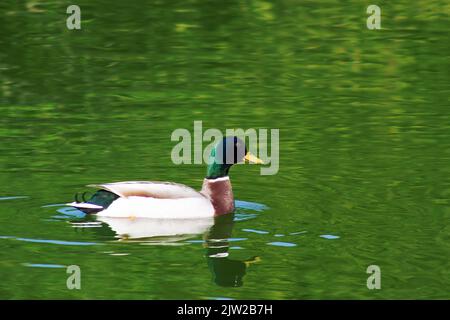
{"x":364,"y":146}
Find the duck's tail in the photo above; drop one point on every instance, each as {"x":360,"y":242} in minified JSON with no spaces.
{"x":86,"y":207}
{"x":98,"y":202}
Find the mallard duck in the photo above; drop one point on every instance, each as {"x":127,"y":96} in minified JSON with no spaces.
{"x":167,"y":200}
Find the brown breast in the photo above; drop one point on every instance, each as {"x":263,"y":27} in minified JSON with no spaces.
{"x":220,"y":193}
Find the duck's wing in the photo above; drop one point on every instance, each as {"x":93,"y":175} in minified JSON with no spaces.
{"x":153,"y":189}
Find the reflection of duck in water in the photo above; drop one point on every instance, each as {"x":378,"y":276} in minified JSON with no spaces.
{"x":226,"y":272}
{"x":157,"y":230}
{"x":165,"y":200}
{"x":217,"y":231}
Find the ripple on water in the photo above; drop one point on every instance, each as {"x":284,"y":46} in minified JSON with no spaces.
{"x":60,"y":242}
{"x":14,"y":197}
{"x":329,"y":236}
{"x":297,"y":233}
{"x":250,"y":205}
{"x":71,"y":212}
{"x":242,"y":206}
{"x":43,"y":265}
{"x":282,"y":244}
{"x":256,"y":231}
{"x":218,"y":240}
{"x":239,"y":216}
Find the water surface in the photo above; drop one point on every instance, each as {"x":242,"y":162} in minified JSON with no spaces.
{"x":364,"y":146}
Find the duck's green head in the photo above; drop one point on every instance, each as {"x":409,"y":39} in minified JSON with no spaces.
{"x":229,"y":151}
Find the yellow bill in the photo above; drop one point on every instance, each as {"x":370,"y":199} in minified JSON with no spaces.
{"x":251,"y":158}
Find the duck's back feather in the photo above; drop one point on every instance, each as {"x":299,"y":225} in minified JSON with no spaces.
{"x":151,"y":189}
